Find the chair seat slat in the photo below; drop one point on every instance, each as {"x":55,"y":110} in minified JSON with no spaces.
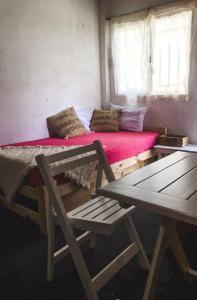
{"x":89,"y":207}
{"x":88,"y":204}
{"x":104,"y":210}
{"x":99,"y":210}
{"x":109,"y":212}
{"x":119,"y":215}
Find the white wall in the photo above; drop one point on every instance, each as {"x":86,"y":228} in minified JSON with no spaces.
{"x":49,"y":59}
{"x":179,"y":116}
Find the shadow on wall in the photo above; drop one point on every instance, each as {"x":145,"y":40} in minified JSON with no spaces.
{"x":179,"y":116}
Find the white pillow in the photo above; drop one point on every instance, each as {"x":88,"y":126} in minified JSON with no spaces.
{"x":85,"y":115}
{"x":124,"y":107}
{"x":131,"y":117}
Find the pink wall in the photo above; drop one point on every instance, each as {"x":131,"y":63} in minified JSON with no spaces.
{"x":180,"y":117}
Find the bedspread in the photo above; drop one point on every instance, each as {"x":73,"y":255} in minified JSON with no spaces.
{"x":118,"y":146}
{"x":17,"y":162}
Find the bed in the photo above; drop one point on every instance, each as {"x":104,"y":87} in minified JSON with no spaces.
{"x":126,"y":151}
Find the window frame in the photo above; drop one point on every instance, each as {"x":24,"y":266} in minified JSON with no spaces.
{"x":150,"y":93}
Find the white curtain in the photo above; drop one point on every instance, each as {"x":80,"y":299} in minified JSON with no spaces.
{"x":129,"y":46}
{"x":171,"y":40}
{"x":151,"y":52}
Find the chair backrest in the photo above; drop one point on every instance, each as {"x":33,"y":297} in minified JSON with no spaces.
{"x":48,"y":168}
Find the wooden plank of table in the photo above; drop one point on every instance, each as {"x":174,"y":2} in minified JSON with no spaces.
{"x":154,"y":168}
{"x":187,"y":148}
{"x":185,"y":187}
{"x":193,"y":197}
{"x":165,"y":177}
{"x":159,"y":203}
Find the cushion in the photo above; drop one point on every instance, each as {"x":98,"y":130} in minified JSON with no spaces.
{"x":85,"y":115}
{"x":132,"y":120}
{"x":65,"y":124}
{"x":104,"y":120}
{"x":121,"y":107}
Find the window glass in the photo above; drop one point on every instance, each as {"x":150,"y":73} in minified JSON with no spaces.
{"x":170,"y":53}
{"x":151,"y":56}
{"x":129,"y":51}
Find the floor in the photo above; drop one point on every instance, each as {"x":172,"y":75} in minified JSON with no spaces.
{"x":23,"y":264}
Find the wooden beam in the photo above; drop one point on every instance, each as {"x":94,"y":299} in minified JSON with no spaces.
{"x":104,"y":45}
{"x":192,"y":272}
{"x":61,"y":253}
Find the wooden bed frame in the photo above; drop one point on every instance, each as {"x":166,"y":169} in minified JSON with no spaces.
{"x":72,"y":194}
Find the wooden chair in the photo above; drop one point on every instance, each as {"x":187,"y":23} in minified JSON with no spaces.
{"x":99,"y":215}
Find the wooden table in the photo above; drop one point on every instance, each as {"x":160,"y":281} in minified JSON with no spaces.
{"x":163,"y":150}
{"x":167,"y":187}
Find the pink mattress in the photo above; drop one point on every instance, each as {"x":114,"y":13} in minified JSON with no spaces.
{"x":117,"y":145}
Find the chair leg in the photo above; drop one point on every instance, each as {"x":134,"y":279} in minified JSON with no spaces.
{"x":80,"y":263}
{"x":51,"y":251}
{"x":93,"y":241}
{"x":133,"y":235}
{"x":51,"y":241}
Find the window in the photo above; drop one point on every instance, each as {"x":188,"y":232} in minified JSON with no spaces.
{"x":171,"y":37}
{"x":130,"y":58}
{"x":151,"y":54}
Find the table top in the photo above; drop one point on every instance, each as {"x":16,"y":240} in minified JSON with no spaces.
{"x":187,"y":148}
{"x":167,"y":187}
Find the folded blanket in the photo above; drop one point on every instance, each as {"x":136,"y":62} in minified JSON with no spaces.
{"x":17,"y":162}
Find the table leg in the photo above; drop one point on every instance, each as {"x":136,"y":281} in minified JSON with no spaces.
{"x":167,"y":237}
{"x":176,"y":247}
{"x":159,"y":154}
{"x":161,"y":245}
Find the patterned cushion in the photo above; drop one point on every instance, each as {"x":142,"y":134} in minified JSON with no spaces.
{"x":104,"y":120}
{"x":65,"y":124}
